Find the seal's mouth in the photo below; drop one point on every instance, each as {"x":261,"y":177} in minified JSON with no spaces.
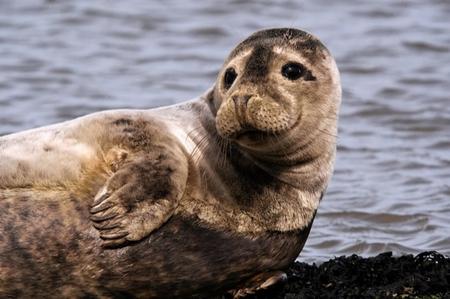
{"x":251,"y":134}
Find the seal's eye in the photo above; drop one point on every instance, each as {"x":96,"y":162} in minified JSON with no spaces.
{"x":229,"y":77}
{"x":292,"y":70}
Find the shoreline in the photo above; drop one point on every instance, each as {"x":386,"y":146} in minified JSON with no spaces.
{"x":426,"y":275}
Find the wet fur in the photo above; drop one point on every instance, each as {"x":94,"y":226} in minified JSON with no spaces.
{"x":244,"y":208}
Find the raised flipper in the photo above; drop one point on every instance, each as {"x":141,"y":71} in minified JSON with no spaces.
{"x":140,"y":196}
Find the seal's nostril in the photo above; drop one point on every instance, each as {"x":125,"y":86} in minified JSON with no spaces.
{"x":241,"y":100}
{"x":245,"y":99}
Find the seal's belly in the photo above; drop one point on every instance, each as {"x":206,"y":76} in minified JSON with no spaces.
{"x":191,"y":257}
{"x":48,"y":246}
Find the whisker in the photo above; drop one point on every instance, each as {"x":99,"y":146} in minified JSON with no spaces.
{"x":327,"y":133}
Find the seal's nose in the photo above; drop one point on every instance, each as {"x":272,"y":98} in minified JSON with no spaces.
{"x":240,"y":106}
{"x":241,"y":101}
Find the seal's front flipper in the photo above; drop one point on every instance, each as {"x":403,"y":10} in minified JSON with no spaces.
{"x":139,"y":197}
{"x":259,"y":282}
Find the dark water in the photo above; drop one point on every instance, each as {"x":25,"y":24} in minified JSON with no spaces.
{"x":391,"y":189}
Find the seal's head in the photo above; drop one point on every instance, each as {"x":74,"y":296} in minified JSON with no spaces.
{"x":275,"y":83}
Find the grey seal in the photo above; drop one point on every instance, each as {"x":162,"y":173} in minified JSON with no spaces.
{"x":211,"y":195}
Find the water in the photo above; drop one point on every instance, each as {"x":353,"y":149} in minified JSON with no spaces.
{"x":391,"y":188}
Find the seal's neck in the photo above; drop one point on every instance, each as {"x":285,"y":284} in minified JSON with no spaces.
{"x":303,"y":167}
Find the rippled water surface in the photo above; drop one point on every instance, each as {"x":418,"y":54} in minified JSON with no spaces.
{"x":391,"y":188}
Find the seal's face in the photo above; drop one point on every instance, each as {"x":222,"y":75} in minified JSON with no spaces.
{"x":277,"y":81}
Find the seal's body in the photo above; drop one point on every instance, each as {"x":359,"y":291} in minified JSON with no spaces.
{"x":197,"y":198}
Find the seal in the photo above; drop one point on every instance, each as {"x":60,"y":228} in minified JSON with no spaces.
{"x":212,"y":195}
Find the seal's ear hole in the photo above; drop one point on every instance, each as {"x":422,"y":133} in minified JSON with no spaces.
{"x":293,"y":70}
{"x":229,"y":77}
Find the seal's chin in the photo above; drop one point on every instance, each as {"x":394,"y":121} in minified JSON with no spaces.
{"x":250,"y":134}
